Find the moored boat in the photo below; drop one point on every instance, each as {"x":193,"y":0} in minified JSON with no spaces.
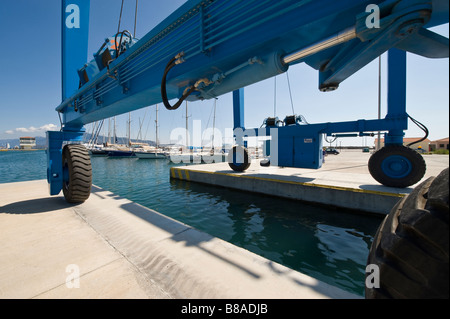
{"x":150,"y":154}
{"x":98,"y":152}
{"x":120,"y":153}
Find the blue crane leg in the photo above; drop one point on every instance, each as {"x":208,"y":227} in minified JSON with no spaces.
{"x":55,"y":140}
{"x":75,"y":32}
{"x":396,"y":95}
{"x":238,"y":108}
{"x":238,"y":115}
{"x":74,"y":46}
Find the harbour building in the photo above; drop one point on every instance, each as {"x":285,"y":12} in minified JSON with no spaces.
{"x":27,"y":143}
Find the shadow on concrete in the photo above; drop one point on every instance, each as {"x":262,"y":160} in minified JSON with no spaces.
{"x":270,"y":177}
{"x":99,"y":192}
{"x":320,"y":286}
{"x":180,"y":231}
{"x":324,"y":169}
{"x":229,"y":171}
{"x":183,"y":233}
{"x":36,"y":206}
{"x":386,"y":189}
{"x":191,"y":237}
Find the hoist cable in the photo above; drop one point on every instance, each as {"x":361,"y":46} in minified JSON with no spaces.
{"x":275,"y":97}
{"x":290,"y":93}
{"x":120,"y":17}
{"x":135,"y":18}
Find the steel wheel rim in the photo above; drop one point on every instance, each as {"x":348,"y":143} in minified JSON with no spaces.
{"x":396,"y":166}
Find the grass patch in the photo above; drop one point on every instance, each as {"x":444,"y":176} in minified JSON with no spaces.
{"x":441,"y":151}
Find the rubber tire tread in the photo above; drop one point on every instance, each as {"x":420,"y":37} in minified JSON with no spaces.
{"x":78,"y":161}
{"x":241,"y":167}
{"x":417,"y":161}
{"x":411,"y":246}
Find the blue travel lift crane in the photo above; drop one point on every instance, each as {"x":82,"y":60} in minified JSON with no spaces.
{"x":213,"y":47}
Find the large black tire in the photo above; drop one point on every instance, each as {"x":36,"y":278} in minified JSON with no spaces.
{"x":411,"y":247}
{"x":397,"y":166}
{"x":77,"y":173}
{"x":238,"y":159}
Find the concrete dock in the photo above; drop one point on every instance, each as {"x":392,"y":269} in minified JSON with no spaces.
{"x":343,"y":181}
{"x":110,"y":247}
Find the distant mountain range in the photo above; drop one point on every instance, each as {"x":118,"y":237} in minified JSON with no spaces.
{"x":41,"y":142}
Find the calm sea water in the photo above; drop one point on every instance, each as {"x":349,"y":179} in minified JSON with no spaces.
{"x":326,"y":243}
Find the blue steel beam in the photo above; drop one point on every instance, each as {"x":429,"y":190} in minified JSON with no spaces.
{"x":398,"y":27}
{"x":359,"y":126}
{"x":233,"y":43}
{"x":395,"y":122}
{"x":225,"y":45}
{"x":74,"y":39}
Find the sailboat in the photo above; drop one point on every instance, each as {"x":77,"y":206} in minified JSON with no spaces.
{"x":152,"y":152}
{"x":185,"y":154}
{"x":98,"y":151}
{"x":121,"y":150}
{"x":213,"y":155}
{"x":93,"y":147}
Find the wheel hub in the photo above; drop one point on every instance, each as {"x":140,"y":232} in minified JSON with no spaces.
{"x":396,"y":166}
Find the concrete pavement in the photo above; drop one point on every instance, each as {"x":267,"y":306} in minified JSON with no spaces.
{"x":110,"y":247}
{"x":343,"y":181}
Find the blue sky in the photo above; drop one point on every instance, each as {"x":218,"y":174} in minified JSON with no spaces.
{"x":30,"y":79}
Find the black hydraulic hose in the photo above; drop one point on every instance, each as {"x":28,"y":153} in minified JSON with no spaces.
{"x":119,"y":45}
{"x":422,"y":127}
{"x":166,"y":103}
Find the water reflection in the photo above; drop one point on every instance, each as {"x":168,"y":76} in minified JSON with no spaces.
{"x":326,"y":243}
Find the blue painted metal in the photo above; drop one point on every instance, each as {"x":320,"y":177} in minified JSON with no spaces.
{"x":396,"y":96}
{"x":238,"y":108}
{"x":404,"y":20}
{"x":229,"y":44}
{"x":75,"y":32}
{"x":299,"y":146}
{"x":396,"y":83}
{"x":396,"y":166}
{"x":74,"y":46}
{"x":235,"y":43}
{"x":55,"y":142}
{"x":238,"y":118}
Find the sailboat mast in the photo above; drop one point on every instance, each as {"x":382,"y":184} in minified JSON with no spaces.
{"x":109,"y":131}
{"x":114,"y":131}
{"x":187,"y":129}
{"x":156,"y":121}
{"x":129,"y":129}
{"x":214,"y":123}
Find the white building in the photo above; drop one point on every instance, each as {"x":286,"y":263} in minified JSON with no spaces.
{"x":27,"y":143}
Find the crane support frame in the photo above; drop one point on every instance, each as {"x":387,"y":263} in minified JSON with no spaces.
{"x":233,"y":55}
{"x":221,"y":46}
